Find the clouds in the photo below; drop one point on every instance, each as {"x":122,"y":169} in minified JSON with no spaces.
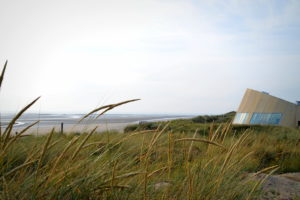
{"x":79,"y":53}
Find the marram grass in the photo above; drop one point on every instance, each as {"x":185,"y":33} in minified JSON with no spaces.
{"x":30,"y":169}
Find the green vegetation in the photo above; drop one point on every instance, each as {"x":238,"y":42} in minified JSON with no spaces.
{"x":180,"y":159}
{"x":214,"y":118}
{"x":155,"y":164}
{"x":271,"y":145}
{"x":186,"y":125}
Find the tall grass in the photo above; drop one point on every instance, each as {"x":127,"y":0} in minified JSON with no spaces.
{"x":155,"y":164}
{"x":115,"y":172}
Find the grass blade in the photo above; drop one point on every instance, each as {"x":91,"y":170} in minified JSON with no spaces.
{"x":45,"y":149}
{"x":83,"y":142}
{"x":19,"y":167}
{"x":2,"y":74}
{"x":200,"y":140}
{"x":19,"y":135}
{"x":107,"y":108}
{"x":8,"y":129}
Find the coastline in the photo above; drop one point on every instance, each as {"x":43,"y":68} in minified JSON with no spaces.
{"x":70,"y":125}
{"x":76,"y":128}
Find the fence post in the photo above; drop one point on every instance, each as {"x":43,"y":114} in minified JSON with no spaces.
{"x":62,"y":128}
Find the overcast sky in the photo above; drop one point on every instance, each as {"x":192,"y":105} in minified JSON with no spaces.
{"x":178,"y":56}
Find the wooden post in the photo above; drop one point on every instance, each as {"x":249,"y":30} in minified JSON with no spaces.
{"x":62,"y":128}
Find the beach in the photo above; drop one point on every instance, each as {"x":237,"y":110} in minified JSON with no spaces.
{"x":71,"y":122}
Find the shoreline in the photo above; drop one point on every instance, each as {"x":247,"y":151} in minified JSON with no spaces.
{"x":70,"y":124}
{"x":75,"y":128}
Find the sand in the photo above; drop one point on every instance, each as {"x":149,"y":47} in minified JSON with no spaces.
{"x":71,"y":128}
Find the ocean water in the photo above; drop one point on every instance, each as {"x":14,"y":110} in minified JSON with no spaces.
{"x":50,"y":120}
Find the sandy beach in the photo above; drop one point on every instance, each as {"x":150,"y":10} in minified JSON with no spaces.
{"x":71,"y":124}
{"x":80,"y":128}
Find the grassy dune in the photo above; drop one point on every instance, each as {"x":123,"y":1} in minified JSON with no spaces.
{"x":271,"y":145}
{"x":181,"y":159}
{"x":125,"y":166}
{"x":156,"y":164}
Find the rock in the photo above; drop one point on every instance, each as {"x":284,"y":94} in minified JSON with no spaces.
{"x":280,"y":187}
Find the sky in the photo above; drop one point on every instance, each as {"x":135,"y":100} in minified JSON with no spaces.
{"x":177,"y":56}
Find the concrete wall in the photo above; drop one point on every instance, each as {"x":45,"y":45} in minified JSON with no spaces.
{"x":254,"y":101}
